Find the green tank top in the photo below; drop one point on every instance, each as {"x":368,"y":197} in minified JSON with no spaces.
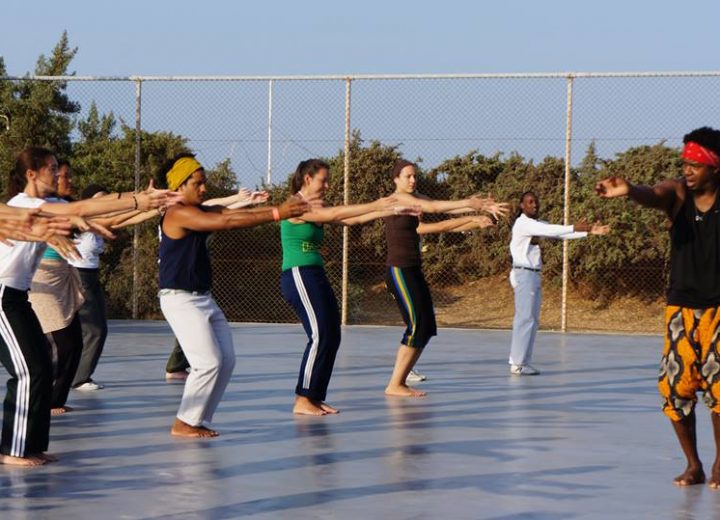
{"x":51,"y":254}
{"x":301,"y":244}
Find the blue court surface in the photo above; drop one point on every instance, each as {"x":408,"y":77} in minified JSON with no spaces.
{"x":584,"y":440}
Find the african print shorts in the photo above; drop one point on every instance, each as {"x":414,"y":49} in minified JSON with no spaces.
{"x":691,"y":361}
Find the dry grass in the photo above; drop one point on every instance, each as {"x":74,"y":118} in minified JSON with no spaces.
{"x":489,"y":303}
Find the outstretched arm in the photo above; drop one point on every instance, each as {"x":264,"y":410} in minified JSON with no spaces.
{"x":474,"y":203}
{"x":455,"y":225}
{"x":244,"y":197}
{"x":395,"y":210}
{"x":133,"y":218}
{"x":663,"y":196}
{"x":180,"y":218}
{"x":142,"y":201}
{"x":340,"y":214}
{"x":33,"y":229}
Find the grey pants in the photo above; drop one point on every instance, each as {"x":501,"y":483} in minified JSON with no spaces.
{"x":528,"y":297}
{"x":93,"y":320}
{"x":201,"y":328}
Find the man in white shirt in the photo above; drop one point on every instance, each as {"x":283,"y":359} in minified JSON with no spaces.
{"x":525,"y":275}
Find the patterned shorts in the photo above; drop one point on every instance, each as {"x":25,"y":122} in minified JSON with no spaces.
{"x":691,"y":361}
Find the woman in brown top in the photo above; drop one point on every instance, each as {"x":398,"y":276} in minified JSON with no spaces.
{"x":404,"y":276}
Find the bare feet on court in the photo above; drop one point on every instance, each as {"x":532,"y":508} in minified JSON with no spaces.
{"x":183,"y":429}
{"x":306,"y":406}
{"x":181,"y":375}
{"x":21,"y":461}
{"x":404,"y":391}
{"x":60,"y":410}
{"x":714,"y":481}
{"x":327,"y":408}
{"x":690,"y":477}
{"x":46,"y":457}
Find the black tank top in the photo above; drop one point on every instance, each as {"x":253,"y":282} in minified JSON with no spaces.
{"x":403,"y":241}
{"x":695,"y":257}
{"x":185,"y":262}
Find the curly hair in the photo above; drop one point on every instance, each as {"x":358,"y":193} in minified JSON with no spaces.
{"x":706,"y":137}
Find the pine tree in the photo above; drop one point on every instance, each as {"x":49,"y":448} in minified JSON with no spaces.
{"x":40,"y":113}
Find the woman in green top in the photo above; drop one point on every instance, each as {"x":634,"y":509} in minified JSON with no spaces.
{"x":304,"y":283}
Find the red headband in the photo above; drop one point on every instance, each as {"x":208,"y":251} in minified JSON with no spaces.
{"x":699,"y":154}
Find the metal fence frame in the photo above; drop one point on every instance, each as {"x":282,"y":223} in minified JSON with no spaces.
{"x":570,"y":78}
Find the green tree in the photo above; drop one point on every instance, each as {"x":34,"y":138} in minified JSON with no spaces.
{"x":40,"y":112}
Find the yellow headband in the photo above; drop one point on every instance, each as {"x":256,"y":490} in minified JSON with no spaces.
{"x":181,"y":170}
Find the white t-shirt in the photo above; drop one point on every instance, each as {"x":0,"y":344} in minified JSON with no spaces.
{"x":18,"y":263}
{"x":90,"y":246}
{"x":526,"y":254}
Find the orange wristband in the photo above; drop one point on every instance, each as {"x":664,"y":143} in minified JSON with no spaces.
{"x":276,"y":214}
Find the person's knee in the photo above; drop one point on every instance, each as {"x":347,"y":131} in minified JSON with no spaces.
{"x":208,"y":364}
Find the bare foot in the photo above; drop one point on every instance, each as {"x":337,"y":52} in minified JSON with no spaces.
{"x":47,"y":457}
{"x":176,"y":376}
{"x":326,"y":407}
{"x":213,"y":433}
{"x":21,"y":461}
{"x":404,"y":391}
{"x":690,"y":477}
{"x":60,"y":410}
{"x":304,"y":406}
{"x":182,"y":429}
{"x":714,"y":481}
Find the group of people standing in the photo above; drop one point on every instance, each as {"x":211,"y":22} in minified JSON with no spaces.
{"x":36,"y":386}
{"x":35,"y":218}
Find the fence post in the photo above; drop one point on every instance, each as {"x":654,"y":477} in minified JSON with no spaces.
{"x":136,"y":236}
{"x":269,"y":148}
{"x":566,"y":214}
{"x":346,"y":200}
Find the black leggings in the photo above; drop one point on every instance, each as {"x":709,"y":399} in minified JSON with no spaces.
{"x":68,"y":344}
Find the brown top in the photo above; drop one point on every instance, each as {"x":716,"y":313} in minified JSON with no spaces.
{"x":403,"y":241}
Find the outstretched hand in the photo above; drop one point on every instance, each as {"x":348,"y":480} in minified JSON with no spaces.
{"x":612,"y":187}
{"x":489,"y":205}
{"x":483,"y":221}
{"x":65,"y":247}
{"x":598,"y":228}
{"x":294,"y":206}
{"x":258,"y":197}
{"x":101,"y":230}
{"x":45,"y":227}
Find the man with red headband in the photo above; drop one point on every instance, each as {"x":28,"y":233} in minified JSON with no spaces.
{"x":691,"y":357}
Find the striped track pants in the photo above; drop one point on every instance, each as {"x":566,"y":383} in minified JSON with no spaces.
{"x":308,"y":291}
{"x":25,"y":354}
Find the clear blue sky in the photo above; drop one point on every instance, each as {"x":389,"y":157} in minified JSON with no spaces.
{"x":334,"y":37}
{"x":433,"y":121}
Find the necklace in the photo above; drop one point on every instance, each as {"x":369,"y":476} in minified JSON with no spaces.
{"x":700,"y":215}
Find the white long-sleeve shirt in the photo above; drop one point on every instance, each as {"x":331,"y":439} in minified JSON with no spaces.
{"x":526,"y":254}
{"x":90,"y":246}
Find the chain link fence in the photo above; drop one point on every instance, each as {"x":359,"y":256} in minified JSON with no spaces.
{"x":555,"y":134}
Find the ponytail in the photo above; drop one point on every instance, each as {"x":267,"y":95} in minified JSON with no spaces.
{"x":308,"y":167}
{"x":32,"y":158}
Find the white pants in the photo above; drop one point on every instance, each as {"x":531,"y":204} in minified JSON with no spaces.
{"x":528,"y":297}
{"x":204,"y":334}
